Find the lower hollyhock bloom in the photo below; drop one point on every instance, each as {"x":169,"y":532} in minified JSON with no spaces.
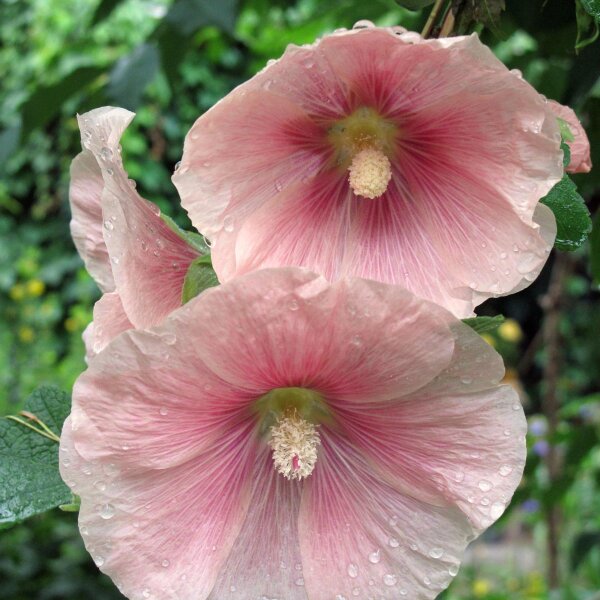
{"x":136,"y":258}
{"x":254,"y":447}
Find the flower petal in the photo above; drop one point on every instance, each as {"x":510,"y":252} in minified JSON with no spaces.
{"x":384,"y":341}
{"x":265,"y":559}
{"x":581,"y":161}
{"x":367,"y":521}
{"x":146,"y":254}
{"x":290,"y":148}
{"x":389,"y":524}
{"x":160,"y":534}
{"x":109,"y":321}
{"x":85,"y":193}
{"x":360,"y":537}
{"x":148,"y":400}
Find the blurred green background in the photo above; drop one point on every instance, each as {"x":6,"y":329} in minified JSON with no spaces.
{"x":170,"y":61}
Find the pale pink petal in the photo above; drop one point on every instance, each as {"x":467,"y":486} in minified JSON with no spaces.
{"x":319,"y":209}
{"x":360,"y":537}
{"x":151,"y":401}
{"x":161,"y":534}
{"x":265,"y":560}
{"x":109,"y":321}
{"x":369,"y":522}
{"x":222,"y":168}
{"x":383,"y":340}
{"x":581,"y":161}
{"x":149,"y":260}
{"x":85,"y":192}
{"x":476,"y":147}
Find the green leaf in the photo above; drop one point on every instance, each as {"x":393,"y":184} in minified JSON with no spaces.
{"x":45,"y":103}
{"x":132,"y":74}
{"x":585,"y":34}
{"x":194,"y":239}
{"x":595,"y":250}
{"x":484,"y":324}
{"x":104,"y":10}
{"x":572,"y":215}
{"x":199,"y":277}
{"x":414,"y":4}
{"x":565,"y":131}
{"x":566,"y":153}
{"x":29,"y":479}
{"x":592,"y":7}
{"x":189,"y":15}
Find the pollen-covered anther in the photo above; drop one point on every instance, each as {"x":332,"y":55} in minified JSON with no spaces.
{"x":294,"y":443}
{"x":370,"y":173}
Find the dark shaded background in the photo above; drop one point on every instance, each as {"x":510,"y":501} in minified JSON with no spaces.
{"x":170,"y":61}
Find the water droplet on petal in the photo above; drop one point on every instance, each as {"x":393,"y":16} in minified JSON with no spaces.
{"x":485,"y":486}
{"x":363,"y":24}
{"x":228,"y":224}
{"x":165,"y":563}
{"x":107,"y":511}
{"x":106,"y":153}
{"x":109,"y":225}
{"x":453,"y":570}
{"x":505,"y":470}
{"x":164,"y":411}
{"x":496,"y":510}
{"x":389,"y":579}
{"x":393,"y":542}
{"x":352,"y":570}
{"x":436,"y":552}
{"x":375,"y":557}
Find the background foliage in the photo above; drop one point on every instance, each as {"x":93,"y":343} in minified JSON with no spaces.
{"x":170,"y":61}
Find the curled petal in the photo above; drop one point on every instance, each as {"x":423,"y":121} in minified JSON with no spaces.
{"x":85,"y":194}
{"x":109,"y":321}
{"x":149,"y":260}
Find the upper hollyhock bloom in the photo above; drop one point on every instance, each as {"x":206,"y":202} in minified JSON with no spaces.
{"x":253,"y":447}
{"x":137,"y":259}
{"x":376,"y":153}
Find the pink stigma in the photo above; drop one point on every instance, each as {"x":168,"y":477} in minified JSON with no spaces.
{"x":295,"y":462}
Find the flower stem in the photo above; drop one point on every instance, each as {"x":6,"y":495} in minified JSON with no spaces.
{"x":46,"y":432}
{"x":433,"y":15}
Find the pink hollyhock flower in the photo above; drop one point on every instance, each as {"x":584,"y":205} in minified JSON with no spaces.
{"x":134,"y":256}
{"x":581,"y":161}
{"x":378,"y":154}
{"x":254,"y":447}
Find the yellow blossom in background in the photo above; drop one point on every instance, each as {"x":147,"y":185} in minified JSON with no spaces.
{"x":510,"y":331}
{"x":481,"y":587}
{"x":71,"y":324}
{"x":35,"y":288}
{"x":535,"y":586}
{"x":489,"y":339}
{"x":17,"y":292}
{"x":26,"y":334}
